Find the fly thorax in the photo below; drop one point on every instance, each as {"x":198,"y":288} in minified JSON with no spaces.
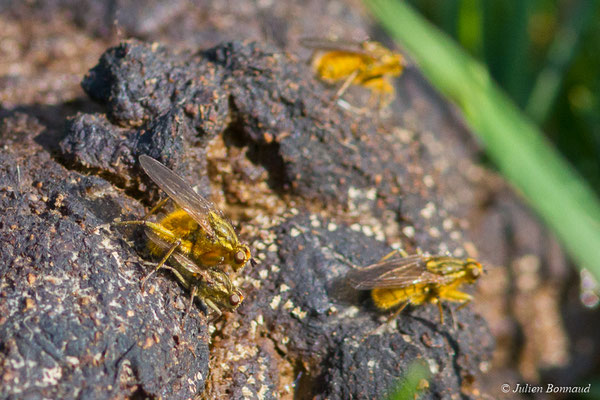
{"x":222,"y":227}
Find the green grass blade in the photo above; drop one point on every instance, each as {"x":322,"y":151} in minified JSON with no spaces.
{"x":409,"y":387}
{"x":560,"y":55}
{"x":515,"y":144}
{"x":506,"y":44}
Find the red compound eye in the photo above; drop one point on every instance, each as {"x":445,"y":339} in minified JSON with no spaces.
{"x":234,"y":299}
{"x":239,"y":257}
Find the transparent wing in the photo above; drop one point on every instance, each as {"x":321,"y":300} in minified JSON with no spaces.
{"x":394,"y":273}
{"x":333,"y":45}
{"x":180,"y":191}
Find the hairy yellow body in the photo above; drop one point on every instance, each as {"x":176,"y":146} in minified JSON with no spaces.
{"x":197,"y":238}
{"x":385,"y":299}
{"x":194,"y":242}
{"x":398,"y":280}
{"x":370,"y":66}
{"x":335,"y":66}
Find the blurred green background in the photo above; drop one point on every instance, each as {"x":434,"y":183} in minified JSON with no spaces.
{"x":525,"y":75}
{"x":545,"y":54}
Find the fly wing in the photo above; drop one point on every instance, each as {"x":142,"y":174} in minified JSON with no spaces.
{"x":393,"y":273}
{"x":184,"y":261}
{"x":181,"y":192}
{"x":333,"y":45}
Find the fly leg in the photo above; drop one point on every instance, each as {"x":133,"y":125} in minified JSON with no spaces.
{"x":458,"y":297}
{"x":206,"y":302}
{"x":162,"y":262}
{"x":193,"y":292}
{"x":386,"y":94}
{"x":164,"y":234}
{"x":434,"y":296}
{"x":210,"y":304}
{"x":156,"y":228}
{"x":439,"y":304}
{"x":460,"y":307}
{"x":382,"y":91}
{"x":387,"y":321}
{"x":402,"y":252}
{"x":154,"y":209}
{"x":345,"y":85}
{"x":397,"y":312}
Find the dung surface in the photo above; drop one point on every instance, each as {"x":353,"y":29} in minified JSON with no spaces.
{"x":75,"y":323}
{"x":299,"y":326}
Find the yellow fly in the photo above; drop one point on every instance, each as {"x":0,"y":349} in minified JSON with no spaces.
{"x":398,"y":280}
{"x":197,"y":237}
{"x":368,"y":64}
{"x":213,"y":287}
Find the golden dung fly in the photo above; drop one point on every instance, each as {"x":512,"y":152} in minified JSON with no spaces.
{"x":368,"y":64}
{"x":399,"y":280}
{"x":198,"y":239}
{"x":214,"y":288}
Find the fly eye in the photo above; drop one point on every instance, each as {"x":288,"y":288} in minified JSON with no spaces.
{"x":475,"y":272}
{"x":239,"y":257}
{"x":234,"y":299}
